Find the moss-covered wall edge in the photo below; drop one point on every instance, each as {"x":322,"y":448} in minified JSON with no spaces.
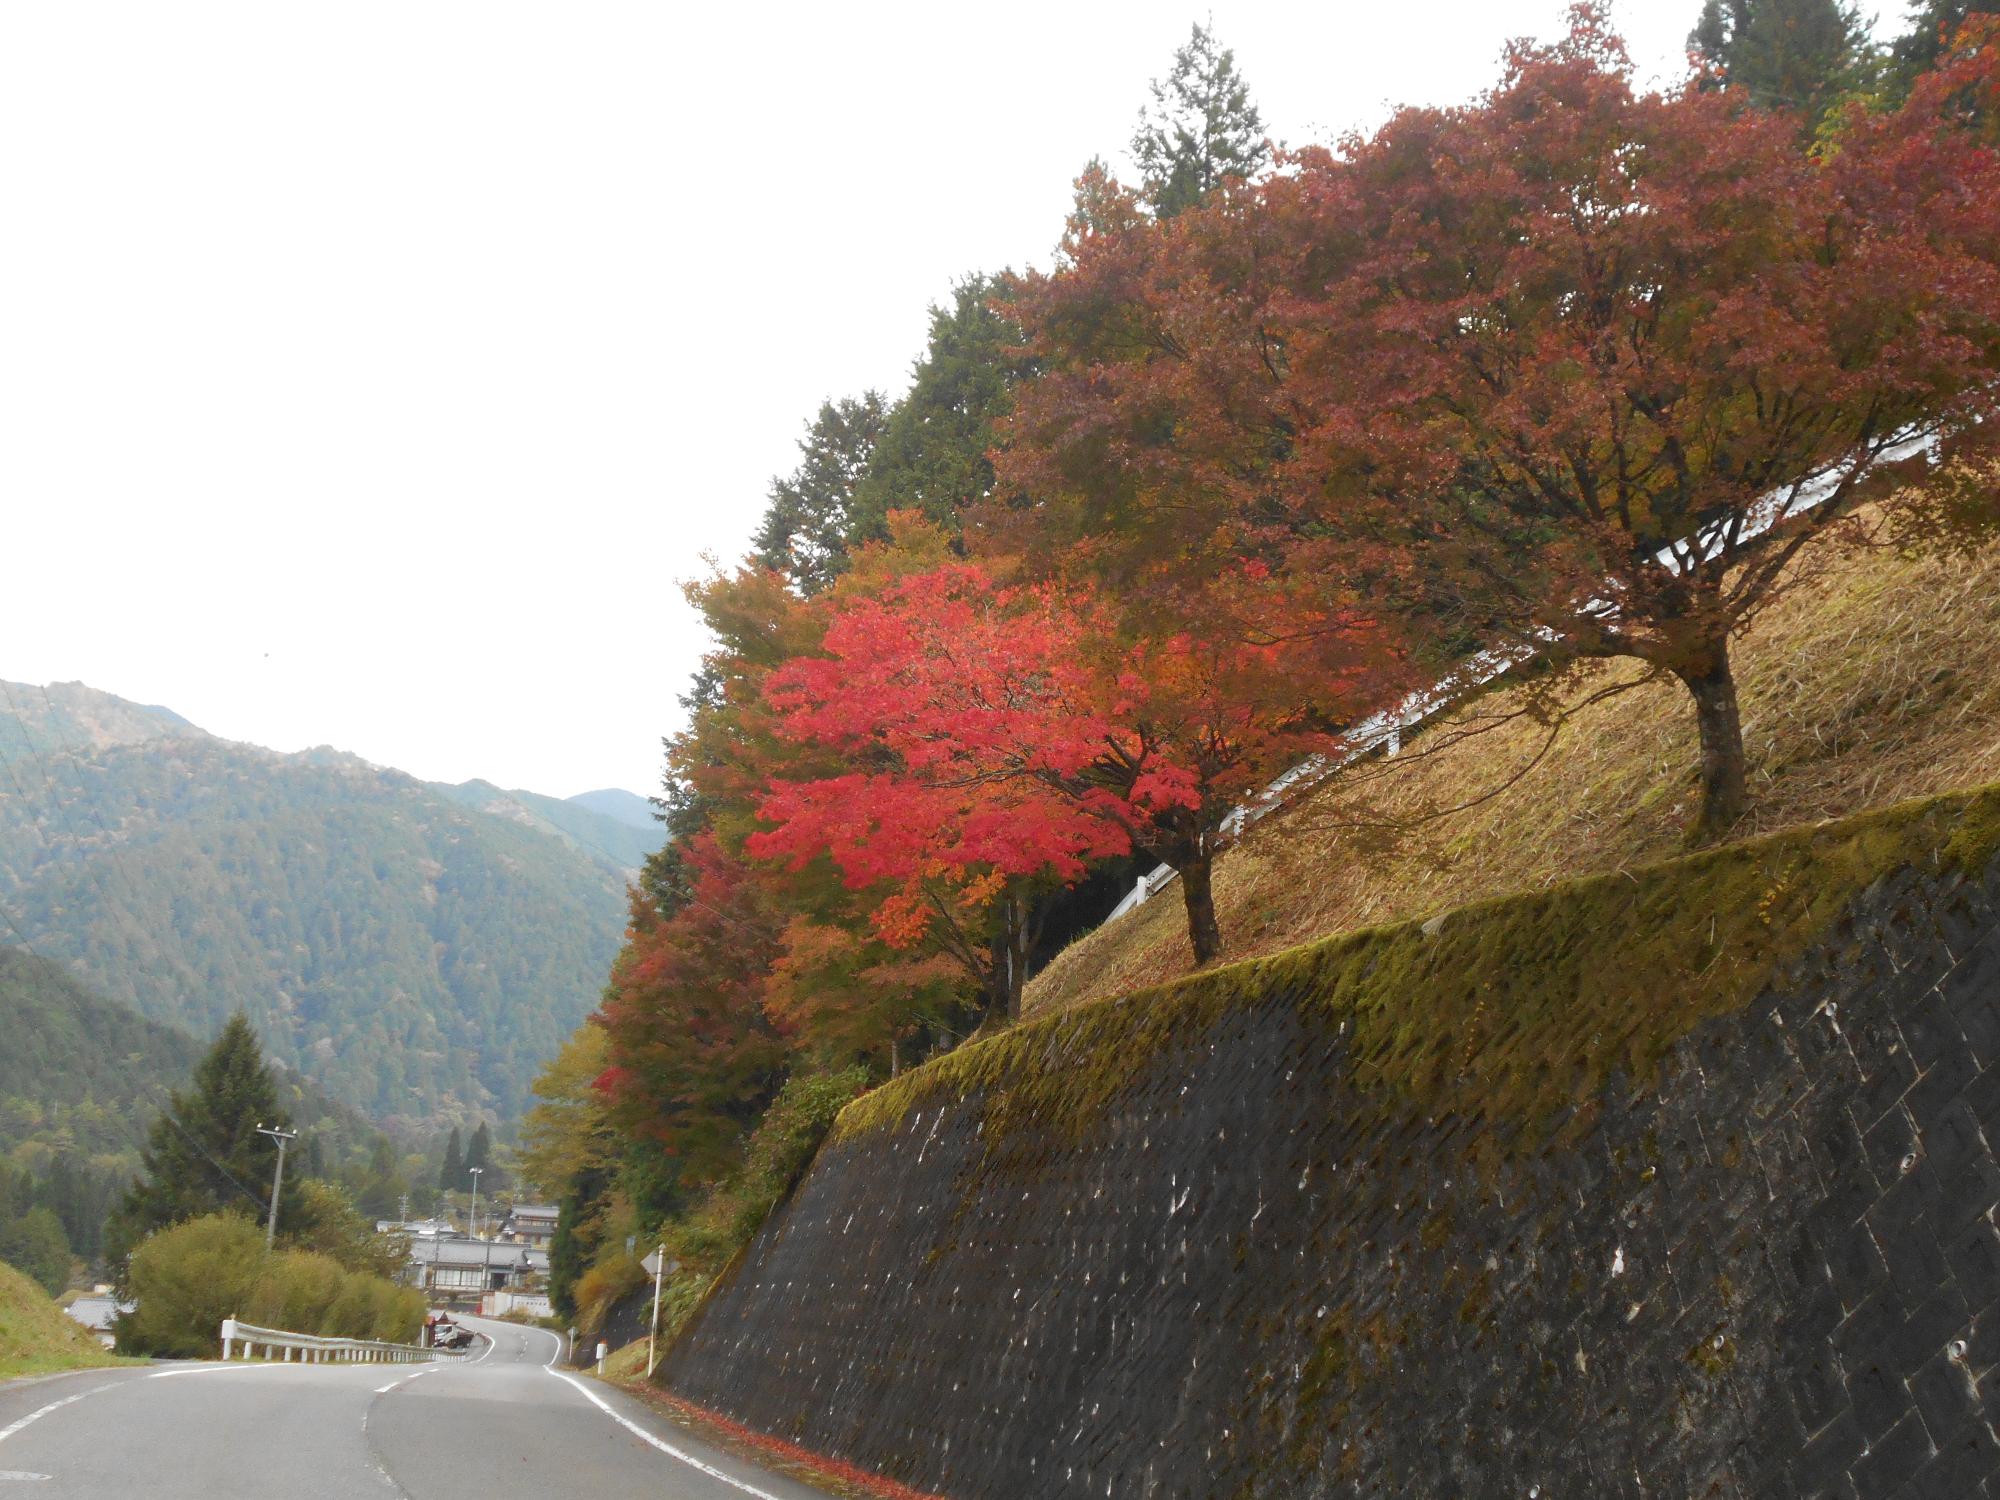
{"x":1672,"y":1181}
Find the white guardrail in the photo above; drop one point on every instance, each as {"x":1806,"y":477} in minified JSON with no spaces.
{"x":313,"y":1348}
{"x":1384,"y":731}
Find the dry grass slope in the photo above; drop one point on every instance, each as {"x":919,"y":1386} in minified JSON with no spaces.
{"x":36,"y":1336}
{"x":1877,"y":682}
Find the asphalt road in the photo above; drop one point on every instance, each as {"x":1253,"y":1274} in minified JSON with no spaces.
{"x":502,"y":1424}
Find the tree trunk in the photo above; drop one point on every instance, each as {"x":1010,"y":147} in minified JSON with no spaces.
{"x":1199,"y":898}
{"x":1722,"y":763}
{"x":1009,"y":973}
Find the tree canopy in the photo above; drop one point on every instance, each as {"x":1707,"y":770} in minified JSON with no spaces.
{"x":204,"y":1153}
{"x":1571,"y":371}
{"x":1199,"y":128}
{"x":1798,"y":56}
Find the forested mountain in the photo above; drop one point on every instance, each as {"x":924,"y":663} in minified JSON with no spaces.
{"x":82,"y":1079}
{"x":623,"y":807}
{"x":593,"y":832}
{"x":418,"y":951}
{"x":84,"y":1076}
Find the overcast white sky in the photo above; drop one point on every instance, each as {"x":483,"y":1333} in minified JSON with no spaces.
{"x":371,"y":374}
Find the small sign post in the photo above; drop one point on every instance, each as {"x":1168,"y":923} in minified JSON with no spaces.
{"x":661,"y":1267}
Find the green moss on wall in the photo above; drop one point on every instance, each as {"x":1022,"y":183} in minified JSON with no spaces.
{"x":1517,"y":1011}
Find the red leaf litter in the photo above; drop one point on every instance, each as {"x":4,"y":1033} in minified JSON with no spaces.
{"x":748,"y":1437}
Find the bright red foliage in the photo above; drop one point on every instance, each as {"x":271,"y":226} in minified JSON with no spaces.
{"x":1012,"y":730}
{"x":696,"y":1058}
{"x":1507,"y":362}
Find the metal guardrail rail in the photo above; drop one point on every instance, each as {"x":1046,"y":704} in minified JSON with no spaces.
{"x":1384,"y":731}
{"x":313,"y":1348}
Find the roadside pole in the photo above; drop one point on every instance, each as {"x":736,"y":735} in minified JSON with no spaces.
{"x":659,"y":1260}
{"x":486,"y":1250}
{"x":284,"y":1138}
{"x":659,"y":1265}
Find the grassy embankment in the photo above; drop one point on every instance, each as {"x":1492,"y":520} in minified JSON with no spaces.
{"x":1874,"y":684}
{"x":36,"y":1336}
{"x":1518,"y":1011}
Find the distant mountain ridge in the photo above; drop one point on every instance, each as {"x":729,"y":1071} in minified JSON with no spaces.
{"x":598,"y":835}
{"x":417,"y":950}
{"x":626,"y":807}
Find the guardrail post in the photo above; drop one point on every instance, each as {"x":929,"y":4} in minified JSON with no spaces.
{"x":228,"y":1336}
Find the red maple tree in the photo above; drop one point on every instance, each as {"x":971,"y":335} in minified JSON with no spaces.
{"x":1002,"y":729}
{"x":1576,"y":366}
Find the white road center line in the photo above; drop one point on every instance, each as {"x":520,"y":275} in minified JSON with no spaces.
{"x":383,"y":1390}
{"x":36,"y":1416}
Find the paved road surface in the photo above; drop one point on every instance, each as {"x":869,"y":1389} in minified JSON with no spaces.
{"x":501,"y":1425}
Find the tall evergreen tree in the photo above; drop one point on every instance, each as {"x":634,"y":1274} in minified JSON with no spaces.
{"x":806,"y":515}
{"x":204,"y":1153}
{"x":931,"y":455}
{"x":479,"y":1153}
{"x":569,"y":1251}
{"x":451,"y":1175}
{"x":81,"y":1198}
{"x":380,"y":1192}
{"x":1931,"y":25}
{"x":33,"y":1243}
{"x":1800,"y":55}
{"x":1200,"y":128}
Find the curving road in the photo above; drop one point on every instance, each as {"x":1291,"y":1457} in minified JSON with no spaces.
{"x":503,"y":1424}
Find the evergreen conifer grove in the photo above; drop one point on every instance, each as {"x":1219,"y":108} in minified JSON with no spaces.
{"x":204,"y":1154}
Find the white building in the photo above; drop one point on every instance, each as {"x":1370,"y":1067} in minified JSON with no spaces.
{"x":458,"y":1266}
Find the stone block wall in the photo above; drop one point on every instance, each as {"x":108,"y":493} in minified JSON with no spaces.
{"x":1760,"y":1261}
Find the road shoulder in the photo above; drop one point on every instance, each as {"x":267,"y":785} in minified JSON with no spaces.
{"x":685,"y":1423}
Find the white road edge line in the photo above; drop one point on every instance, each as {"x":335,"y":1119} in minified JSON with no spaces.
{"x":559,"y":1348}
{"x":665,"y":1447}
{"x":633,"y":1427}
{"x":36,"y":1416}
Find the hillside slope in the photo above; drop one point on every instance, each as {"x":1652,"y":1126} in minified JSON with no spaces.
{"x":36,"y":1336}
{"x":608,"y":838}
{"x":82,"y":1076}
{"x":417,"y":957}
{"x":619,"y":805}
{"x":1873,"y":684}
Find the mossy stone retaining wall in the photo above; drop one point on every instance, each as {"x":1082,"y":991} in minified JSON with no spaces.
{"x":1679,"y":1182}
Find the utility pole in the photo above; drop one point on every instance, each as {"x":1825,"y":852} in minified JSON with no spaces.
{"x":284,"y":1138}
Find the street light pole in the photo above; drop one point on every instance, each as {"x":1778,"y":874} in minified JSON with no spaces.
{"x":486,"y":1250}
{"x":284,"y":1138}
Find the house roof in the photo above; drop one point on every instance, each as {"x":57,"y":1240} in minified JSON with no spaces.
{"x":96,"y":1313}
{"x":458,"y":1251}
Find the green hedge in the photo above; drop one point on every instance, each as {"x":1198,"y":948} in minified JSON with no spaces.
{"x":187,"y":1279}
